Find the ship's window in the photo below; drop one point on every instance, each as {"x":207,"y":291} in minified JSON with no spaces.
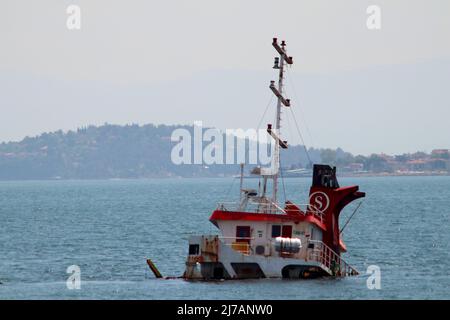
{"x":276,"y":231}
{"x":287,"y":232}
{"x":243,"y":234}
{"x":281,"y":231}
{"x":194,"y":249}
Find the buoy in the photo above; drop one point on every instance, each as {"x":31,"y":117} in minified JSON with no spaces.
{"x":154,"y":269}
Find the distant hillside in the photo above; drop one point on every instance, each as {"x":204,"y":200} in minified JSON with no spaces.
{"x":110,"y":151}
{"x":133,"y":151}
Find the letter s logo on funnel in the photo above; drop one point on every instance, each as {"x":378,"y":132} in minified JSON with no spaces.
{"x":319,"y":201}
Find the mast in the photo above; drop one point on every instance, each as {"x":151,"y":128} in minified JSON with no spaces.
{"x":272,"y":171}
{"x":279,"y":64}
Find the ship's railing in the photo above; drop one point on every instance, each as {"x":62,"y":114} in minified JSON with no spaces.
{"x":269,"y":207}
{"x":330,"y":259}
{"x":240,"y":244}
{"x":251,"y":207}
{"x":310,"y":209}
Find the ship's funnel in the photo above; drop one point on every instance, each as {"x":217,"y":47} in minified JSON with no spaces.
{"x":329,"y":198}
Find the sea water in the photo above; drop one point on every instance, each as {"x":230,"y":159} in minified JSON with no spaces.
{"x":109,"y":228}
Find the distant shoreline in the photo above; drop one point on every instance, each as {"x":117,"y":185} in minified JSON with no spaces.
{"x":409,"y":174}
{"x":371,"y":175}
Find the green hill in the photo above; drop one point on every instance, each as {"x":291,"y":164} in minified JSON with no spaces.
{"x":113,"y":151}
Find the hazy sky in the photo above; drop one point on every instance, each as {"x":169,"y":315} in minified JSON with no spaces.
{"x":179,"y":61}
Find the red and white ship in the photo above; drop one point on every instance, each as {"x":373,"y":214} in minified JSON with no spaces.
{"x":261,"y":238}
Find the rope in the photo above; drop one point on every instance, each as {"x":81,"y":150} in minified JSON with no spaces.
{"x":259,"y":124}
{"x":289,"y":127}
{"x":348,"y":220}
{"x":231,"y":186}
{"x":292,"y":85}
{"x":265,"y":111}
{"x":282,"y":181}
{"x":301,"y":137}
{"x":295,"y":120}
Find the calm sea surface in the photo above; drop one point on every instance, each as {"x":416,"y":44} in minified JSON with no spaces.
{"x":109,"y":228}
